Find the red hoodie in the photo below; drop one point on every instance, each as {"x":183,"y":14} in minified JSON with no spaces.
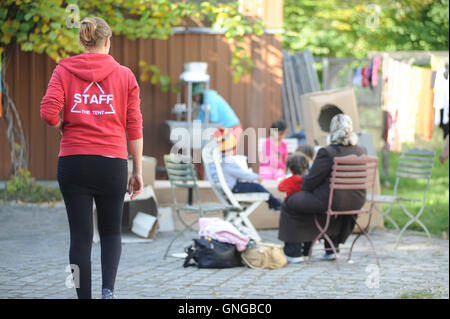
{"x":100,"y":103}
{"x":290,"y":185}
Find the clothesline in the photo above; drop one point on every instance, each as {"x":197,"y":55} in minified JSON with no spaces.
{"x":415,"y":99}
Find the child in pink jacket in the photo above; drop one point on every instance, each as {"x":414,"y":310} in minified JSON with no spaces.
{"x":274,"y":153}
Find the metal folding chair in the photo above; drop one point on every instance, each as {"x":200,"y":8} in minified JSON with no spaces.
{"x":349,"y":173}
{"x":182,"y":174}
{"x":242,"y":204}
{"x":413,"y":164}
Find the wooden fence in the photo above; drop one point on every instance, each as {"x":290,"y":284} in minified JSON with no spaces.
{"x":256,"y":99}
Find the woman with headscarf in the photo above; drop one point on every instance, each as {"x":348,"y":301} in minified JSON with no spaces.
{"x":297,"y":228}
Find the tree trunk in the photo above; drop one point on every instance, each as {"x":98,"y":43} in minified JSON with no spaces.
{"x":14,"y":130}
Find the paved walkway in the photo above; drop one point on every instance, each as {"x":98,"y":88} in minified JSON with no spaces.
{"x":34,"y":255}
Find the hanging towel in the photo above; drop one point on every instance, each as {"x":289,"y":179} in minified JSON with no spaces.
{"x":365,"y":75}
{"x":408,"y":103}
{"x":426,"y":111}
{"x":376,"y":66}
{"x":357,"y":76}
{"x":441,"y":98}
{"x":393,"y":102}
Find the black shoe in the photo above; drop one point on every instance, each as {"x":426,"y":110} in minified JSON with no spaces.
{"x":293,"y":252}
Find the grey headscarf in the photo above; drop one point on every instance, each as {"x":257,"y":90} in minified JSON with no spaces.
{"x":341,"y":129}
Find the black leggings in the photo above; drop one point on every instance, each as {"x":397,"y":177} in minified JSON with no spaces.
{"x":84,"y":179}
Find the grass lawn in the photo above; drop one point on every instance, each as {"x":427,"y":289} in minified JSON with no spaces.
{"x":436,"y":212}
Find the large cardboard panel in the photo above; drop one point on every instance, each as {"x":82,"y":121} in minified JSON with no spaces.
{"x":319,"y":108}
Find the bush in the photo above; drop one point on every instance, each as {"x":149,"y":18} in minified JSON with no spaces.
{"x":22,"y":187}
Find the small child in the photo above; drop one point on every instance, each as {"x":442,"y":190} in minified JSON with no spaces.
{"x":297,"y":164}
{"x":308,"y":150}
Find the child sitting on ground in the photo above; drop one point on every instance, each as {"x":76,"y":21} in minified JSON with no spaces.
{"x":297,"y":164}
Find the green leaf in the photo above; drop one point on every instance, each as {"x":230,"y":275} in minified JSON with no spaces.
{"x":3,"y":13}
{"x":27,"y":46}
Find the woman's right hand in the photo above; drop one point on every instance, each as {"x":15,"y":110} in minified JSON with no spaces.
{"x":135,"y":185}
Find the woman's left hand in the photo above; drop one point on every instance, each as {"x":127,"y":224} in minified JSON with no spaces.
{"x":135,"y":185}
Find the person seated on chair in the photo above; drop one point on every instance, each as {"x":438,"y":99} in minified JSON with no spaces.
{"x":238,"y":179}
{"x":297,"y":164}
{"x":274,"y":153}
{"x":297,"y":227}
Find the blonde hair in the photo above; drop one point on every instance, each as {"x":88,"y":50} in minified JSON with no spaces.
{"x":93,"y":31}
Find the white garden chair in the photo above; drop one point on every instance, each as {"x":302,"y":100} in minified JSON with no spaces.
{"x":244,"y":204}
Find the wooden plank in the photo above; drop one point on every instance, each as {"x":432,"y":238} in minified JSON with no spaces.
{"x":256,"y":119}
{"x":161,"y":106}
{"x":37,"y":140}
{"x":223,"y":70}
{"x":145,"y":54}
{"x":209,"y":52}
{"x":175,"y":64}
{"x":192,"y":47}
{"x":53,"y":136}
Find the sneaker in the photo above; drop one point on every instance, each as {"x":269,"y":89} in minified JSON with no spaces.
{"x":329,"y":257}
{"x":107,"y":294}
{"x":295,"y":260}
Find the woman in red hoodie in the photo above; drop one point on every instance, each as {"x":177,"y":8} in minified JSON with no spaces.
{"x":100,"y":106}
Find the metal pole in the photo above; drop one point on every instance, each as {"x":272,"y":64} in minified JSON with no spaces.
{"x":205,"y":102}
{"x":189,"y":111}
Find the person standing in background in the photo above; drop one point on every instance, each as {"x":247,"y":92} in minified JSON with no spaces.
{"x":219,"y":111}
{"x":100,"y":104}
{"x":274,"y":153}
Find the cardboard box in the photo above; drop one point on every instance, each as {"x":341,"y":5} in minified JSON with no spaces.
{"x":261,"y":218}
{"x":317,"y":110}
{"x":146,"y":202}
{"x":165,"y":199}
{"x":145,"y":225}
{"x":148,"y":169}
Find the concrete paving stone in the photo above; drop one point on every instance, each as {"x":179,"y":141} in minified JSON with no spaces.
{"x":143,"y":273}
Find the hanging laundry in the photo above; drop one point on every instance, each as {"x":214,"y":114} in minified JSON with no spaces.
{"x":441,"y":98}
{"x":392,"y":102}
{"x":436,"y":63}
{"x":408,"y":104}
{"x":369,"y":75}
{"x":357,"y":76}
{"x":365,"y":75}
{"x":376,"y":66}
{"x":426,"y":110}
{"x":441,"y":101}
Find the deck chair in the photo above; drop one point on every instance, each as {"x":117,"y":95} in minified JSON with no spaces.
{"x":182,"y":174}
{"x":242,"y":204}
{"x":413,"y":164}
{"x":350,"y":173}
